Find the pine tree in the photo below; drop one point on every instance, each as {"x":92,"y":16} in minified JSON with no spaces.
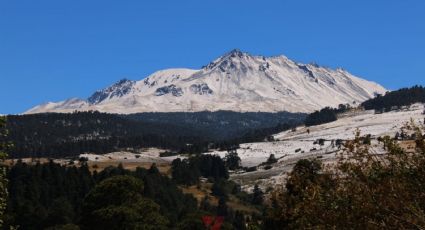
{"x":257,"y":196}
{"x":3,"y":179}
{"x":222,"y":207}
{"x":233,"y":161}
{"x":272,"y":159}
{"x":118,"y":203}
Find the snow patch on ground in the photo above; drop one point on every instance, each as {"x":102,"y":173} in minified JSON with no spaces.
{"x":150,"y":155}
{"x":289,"y":146}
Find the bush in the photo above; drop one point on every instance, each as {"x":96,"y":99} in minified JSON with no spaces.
{"x":362,"y":191}
{"x":272,"y":159}
{"x":168,"y":154}
{"x":250,"y":169}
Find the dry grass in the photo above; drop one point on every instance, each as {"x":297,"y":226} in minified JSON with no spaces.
{"x":204,"y":190}
{"x":164,"y":168}
{"x":409,"y":146}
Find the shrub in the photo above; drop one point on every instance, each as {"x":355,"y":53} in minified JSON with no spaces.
{"x":362,"y":191}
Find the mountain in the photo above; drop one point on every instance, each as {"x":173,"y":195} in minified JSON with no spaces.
{"x":236,"y":81}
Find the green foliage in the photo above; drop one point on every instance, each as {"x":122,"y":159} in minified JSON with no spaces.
{"x":45,"y":195}
{"x":192,"y":222}
{"x":239,"y":221}
{"x":361,"y":191}
{"x":58,"y":135}
{"x":174,"y":204}
{"x":51,"y":196}
{"x":118,"y":203}
{"x":233,"y":161}
{"x":397,"y":98}
{"x":184,"y":172}
{"x":3,"y":179}
{"x":222,"y":209}
{"x":219,"y":189}
{"x":188,"y":171}
{"x":325,"y":115}
{"x":257,"y":196}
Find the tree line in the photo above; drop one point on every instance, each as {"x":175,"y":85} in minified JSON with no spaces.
{"x":325,"y":115}
{"x":397,"y":98}
{"x":54,"y":196}
{"x":68,"y":135}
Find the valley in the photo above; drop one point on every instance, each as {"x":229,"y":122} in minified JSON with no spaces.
{"x":288,"y":147}
{"x":212,"y":115}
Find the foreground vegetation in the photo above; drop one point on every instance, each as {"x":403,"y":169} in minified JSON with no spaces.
{"x":362,"y":190}
{"x":54,"y":196}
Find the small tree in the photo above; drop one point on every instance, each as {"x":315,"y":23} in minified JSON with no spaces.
{"x":219,"y":189}
{"x":257,"y":196}
{"x":222,"y":207}
{"x":272,"y":159}
{"x":233,"y":161}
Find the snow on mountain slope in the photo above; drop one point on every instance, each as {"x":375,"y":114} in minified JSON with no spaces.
{"x":289,"y":146}
{"x":367,"y":122}
{"x":236,"y":81}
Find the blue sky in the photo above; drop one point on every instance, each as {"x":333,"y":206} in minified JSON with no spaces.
{"x":53,"y":50}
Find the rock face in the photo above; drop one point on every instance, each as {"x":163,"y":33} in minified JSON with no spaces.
{"x":236,"y":81}
{"x":200,"y":89}
{"x":118,"y":89}
{"x":170,"y":89}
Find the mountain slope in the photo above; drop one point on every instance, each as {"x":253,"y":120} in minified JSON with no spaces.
{"x":237,"y":81}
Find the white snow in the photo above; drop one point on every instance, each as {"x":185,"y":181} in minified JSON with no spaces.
{"x":237,"y":81}
{"x":286,"y":143}
{"x":344,"y":128}
{"x":150,"y":155}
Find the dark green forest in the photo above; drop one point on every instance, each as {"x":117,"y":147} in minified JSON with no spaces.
{"x":67,"y":135}
{"x":362,"y":191}
{"x":53,"y":196}
{"x":381,"y":103}
{"x":325,"y":115}
{"x":397,"y":98}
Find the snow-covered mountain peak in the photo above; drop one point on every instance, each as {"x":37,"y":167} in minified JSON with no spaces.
{"x":119,"y":89}
{"x":236,"y":53}
{"x":230,"y":59}
{"x":236,"y":81}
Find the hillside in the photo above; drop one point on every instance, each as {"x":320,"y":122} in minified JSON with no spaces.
{"x":321,"y":142}
{"x":71,"y":134}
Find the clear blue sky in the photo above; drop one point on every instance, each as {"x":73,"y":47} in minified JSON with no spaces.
{"x":53,"y":50}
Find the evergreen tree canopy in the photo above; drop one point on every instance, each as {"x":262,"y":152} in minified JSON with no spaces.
{"x":3,"y":179}
{"x":233,"y":161}
{"x":118,"y":203}
{"x":397,"y":98}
